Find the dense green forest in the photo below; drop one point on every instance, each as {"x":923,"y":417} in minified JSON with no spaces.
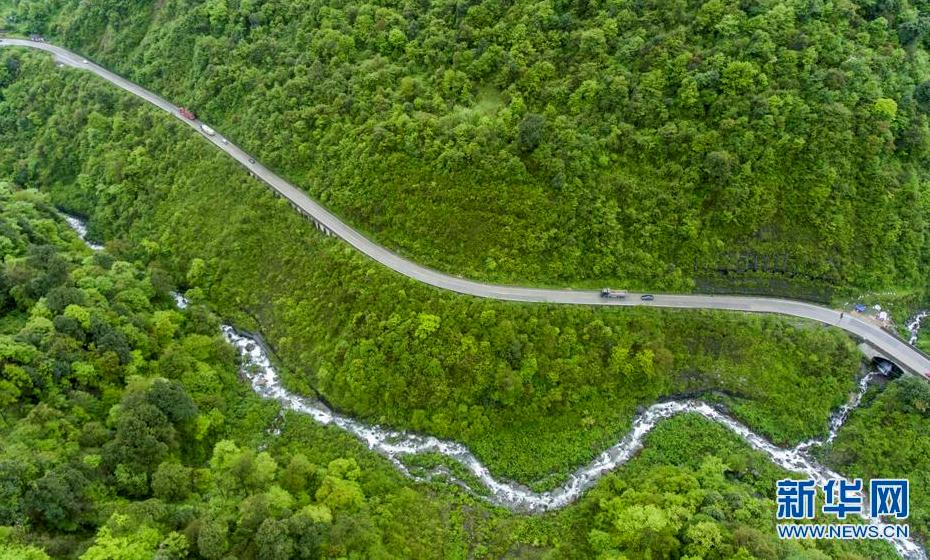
{"x":126,"y":434}
{"x":121,"y":415}
{"x":533,"y":390}
{"x":647,"y":144}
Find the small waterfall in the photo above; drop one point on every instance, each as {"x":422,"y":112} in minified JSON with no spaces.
{"x":81,"y":229}
{"x":839,"y":417}
{"x":913,"y":326}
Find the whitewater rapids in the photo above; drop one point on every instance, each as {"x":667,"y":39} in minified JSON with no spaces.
{"x":256,"y":366}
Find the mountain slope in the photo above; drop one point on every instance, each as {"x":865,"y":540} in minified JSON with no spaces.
{"x":643,"y":143}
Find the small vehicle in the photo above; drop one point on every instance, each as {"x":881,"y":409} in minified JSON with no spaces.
{"x":647,"y":297}
{"x":207,"y":130}
{"x":225,"y":141}
{"x":186,"y":113}
{"x":613,"y":294}
{"x":251,"y":160}
{"x":859,"y":308}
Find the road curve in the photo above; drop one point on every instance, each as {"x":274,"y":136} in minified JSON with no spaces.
{"x":906,"y":356}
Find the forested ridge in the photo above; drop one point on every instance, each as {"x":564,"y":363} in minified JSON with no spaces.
{"x":126,"y":434}
{"x":647,"y":144}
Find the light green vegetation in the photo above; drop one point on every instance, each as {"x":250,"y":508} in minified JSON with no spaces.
{"x":612,"y":142}
{"x":127,"y":435}
{"x":533,"y":390}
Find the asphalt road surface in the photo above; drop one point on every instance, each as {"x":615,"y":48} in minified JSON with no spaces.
{"x":898,"y":350}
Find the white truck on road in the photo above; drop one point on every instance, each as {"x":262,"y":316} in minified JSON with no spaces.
{"x":613,"y":294}
{"x":207,"y":130}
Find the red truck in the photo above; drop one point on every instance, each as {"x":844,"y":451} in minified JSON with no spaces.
{"x":184,"y":112}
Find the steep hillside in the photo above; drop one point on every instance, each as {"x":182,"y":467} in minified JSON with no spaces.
{"x":644,"y":143}
{"x":125,"y":434}
{"x":534,"y":390}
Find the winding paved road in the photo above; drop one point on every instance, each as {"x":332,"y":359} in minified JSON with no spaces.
{"x":896,"y":349}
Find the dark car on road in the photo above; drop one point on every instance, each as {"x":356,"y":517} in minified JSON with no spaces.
{"x":647,"y":297}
